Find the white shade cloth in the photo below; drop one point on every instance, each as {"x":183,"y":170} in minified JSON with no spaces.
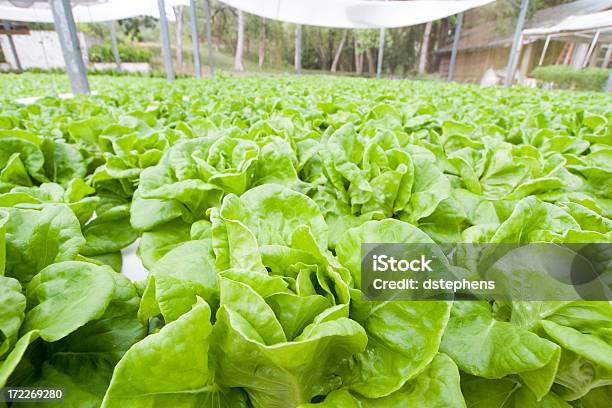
{"x":355,"y":13}
{"x":394,"y":14}
{"x":322,"y":13}
{"x":594,"y":21}
{"x":89,"y":11}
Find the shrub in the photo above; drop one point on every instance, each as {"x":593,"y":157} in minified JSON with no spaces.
{"x":127,"y":53}
{"x":588,"y":79}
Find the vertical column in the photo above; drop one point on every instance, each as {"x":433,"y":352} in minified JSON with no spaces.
{"x":453,"y":59}
{"x":298,"y":48}
{"x":113,"y":33}
{"x":516,"y":43}
{"x":165,"y":38}
{"x":381,"y":52}
{"x":607,"y":57}
{"x":66,"y":31}
{"x":587,"y":57}
{"x":544,"y":50}
{"x":579,"y":54}
{"x":211,"y":60}
{"x":197,"y":66}
{"x":14,"y":52}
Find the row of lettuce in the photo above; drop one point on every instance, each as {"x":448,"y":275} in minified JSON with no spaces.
{"x":250,"y":198}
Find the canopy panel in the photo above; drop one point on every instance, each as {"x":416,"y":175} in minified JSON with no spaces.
{"x":322,"y":13}
{"x":85,"y":11}
{"x":45,"y":3}
{"x":355,"y":13}
{"x":394,"y":14}
{"x":595,"y":21}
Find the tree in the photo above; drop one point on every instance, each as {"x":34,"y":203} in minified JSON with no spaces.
{"x":358,"y":56}
{"x":338,"y":52}
{"x":441,"y":37}
{"x":238,"y":63}
{"x":133,"y":27}
{"x":365,"y":40}
{"x":370,"y":60}
{"x":323,"y":34}
{"x":262,"y":43}
{"x":401,"y":48}
{"x":178,"y":12}
{"x":424,"y":49}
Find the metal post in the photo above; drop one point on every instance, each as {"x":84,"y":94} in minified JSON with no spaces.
{"x":14,"y":51}
{"x":298,"y":48}
{"x":113,"y":33}
{"x":608,"y":87}
{"x":66,"y":31}
{"x":197,"y":66}
{"x":453,"y":59}
{"x":165,"y":38}
{"x":607,"y":57}
{"x":211,"y":60}
{"x":587,"y":57}
{"x":516,"y":43}
{"x":546,"y":42}
{"x":381,"y":51}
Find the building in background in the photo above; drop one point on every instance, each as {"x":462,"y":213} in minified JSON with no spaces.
{"x":484,"y":46}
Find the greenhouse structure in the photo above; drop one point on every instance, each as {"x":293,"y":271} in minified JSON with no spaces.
{"x":306,"y":203}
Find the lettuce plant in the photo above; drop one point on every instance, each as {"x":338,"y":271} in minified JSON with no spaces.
{"x":249,"y":199}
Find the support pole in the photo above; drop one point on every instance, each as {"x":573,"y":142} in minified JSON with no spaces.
{"x":197,"y":66}
{"x":546,"y":42}
{"x":298,"y":48}
{"x":113,"y":32}
{"x":211,"y":60}
{"x":608,"y":87}
{"x":607,"y":57}
{"x":165,"y":38}
{"x":14,"y":52}
{"x":587,"y":57}
{"x":516,"y":43}
{"x":69,"y":41}
{"x":456,"y":37}
{"x":381,"y":52}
